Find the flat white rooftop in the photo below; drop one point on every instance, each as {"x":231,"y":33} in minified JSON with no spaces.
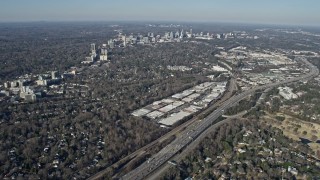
{"x":158,"y":106}
{"x":175,"y":117}
{"x":168,"y":101}
{"x":178,"y":103}
{"x":192,"y":109}
{"x":141,"y":112}
{"x":187,"y":99}
{"x":178,"y":96}
{"x":194,"y":95}
{"x":167,"y":108}
{"x":154,"y":114}
{"x":203,"y":86}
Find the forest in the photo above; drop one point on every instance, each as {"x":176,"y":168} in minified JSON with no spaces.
{"x":78,"y":134}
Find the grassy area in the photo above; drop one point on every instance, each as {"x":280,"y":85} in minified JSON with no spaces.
{"x":295,"y":128}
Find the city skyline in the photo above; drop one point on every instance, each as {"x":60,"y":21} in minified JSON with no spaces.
{"x":293,"y":12}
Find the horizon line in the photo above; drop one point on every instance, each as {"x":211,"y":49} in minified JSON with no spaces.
{"x":160,"y":21}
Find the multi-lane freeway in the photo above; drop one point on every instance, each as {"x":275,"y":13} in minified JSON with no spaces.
{"x":232,"y":87}
{"x":193,"y":131}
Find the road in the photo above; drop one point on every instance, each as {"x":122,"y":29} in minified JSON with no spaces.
{"x":131,"y":157}
{"x":178,"y":157}
{"x":197,"y":128}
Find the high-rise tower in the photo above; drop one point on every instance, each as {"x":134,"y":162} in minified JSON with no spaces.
{"x":93,"y":47}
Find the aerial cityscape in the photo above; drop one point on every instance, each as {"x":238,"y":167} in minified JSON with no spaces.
{"x":160,"y":92}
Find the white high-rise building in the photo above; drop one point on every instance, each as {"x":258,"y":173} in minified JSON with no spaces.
{"x":104,"y":53}
{"x":93,"y":47}
{"x":124,"y":39}
{"x":171,"y":35}
{"x":177,"y":34}
{"x":93,"y":51}
{"x":111,"y":43}
{"x":54,"y":74}
{"x":146,"y":40}
{"x":182,"y":34}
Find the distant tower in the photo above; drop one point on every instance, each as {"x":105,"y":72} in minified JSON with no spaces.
{"x":93,"y":52}
{"x":53,"y":74}
{"x":191,"y":32}
{"x":111,"y":43}
{"x":104,"y":53}
{"x":146,"y":40}
{"x":19,"y":83}
{"x":93,"y":47}
{"x":177,"y":34}
{"x":171,"y":35}
{"x":124,"y":39}
{"x":182,"y":34}
{"x":6,"y":85}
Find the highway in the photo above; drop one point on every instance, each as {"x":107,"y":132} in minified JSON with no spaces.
{"x":197,"y":128}
{"x":178,"y":157}
{"x":131,"y":157}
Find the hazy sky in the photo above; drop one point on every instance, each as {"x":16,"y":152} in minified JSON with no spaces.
{"x":304,"y":12}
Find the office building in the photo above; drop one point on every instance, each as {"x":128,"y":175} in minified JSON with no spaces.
{"x":104,"y":53}
{"x":182,"y":34}
{"x":93,"y":48}
{"x":146,"y":40}
{"x":30,"y":97}
{"x":6,"y":85}
{"x":171,"y":35}
{"x":93,"y":52}
{"x":42,"y":82}
{"x":54,"y":74}
{"x":124,"y":40}
{"x":111,"y":43}
{"x":177,"y":34}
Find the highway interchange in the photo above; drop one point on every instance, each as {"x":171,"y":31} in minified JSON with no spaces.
{"x":193,"y":131}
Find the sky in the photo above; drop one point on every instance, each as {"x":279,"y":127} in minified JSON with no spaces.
{"x":288,"y":12}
